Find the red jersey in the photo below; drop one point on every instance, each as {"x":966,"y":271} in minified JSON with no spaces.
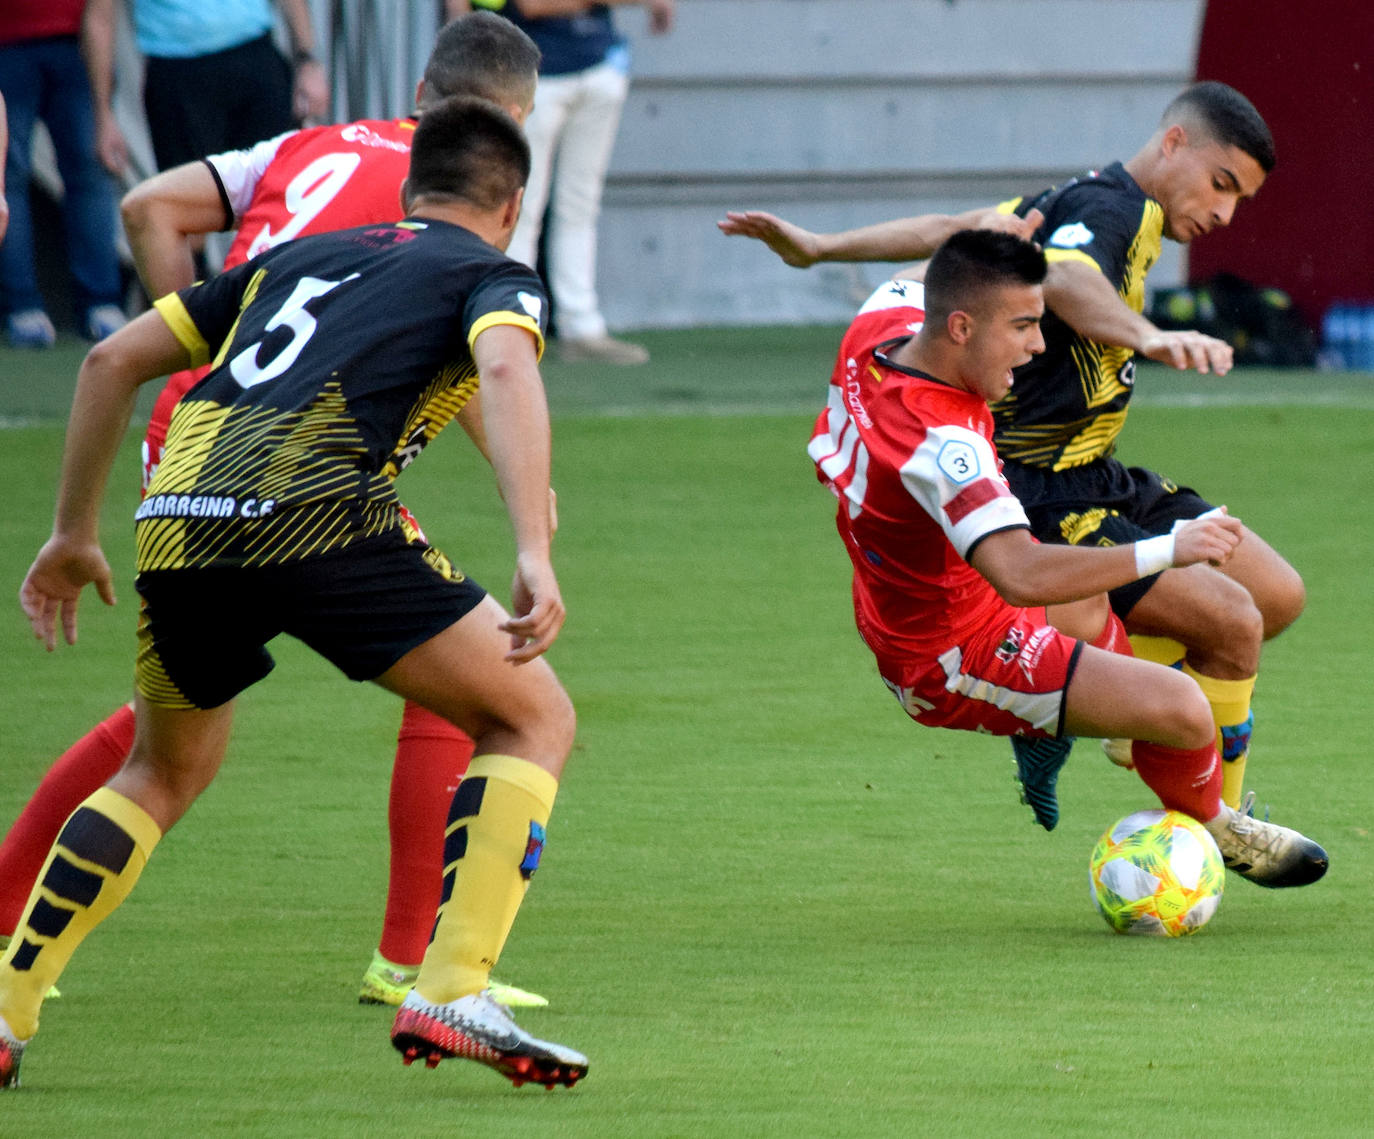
{"x":25,"y":20}
{"x":912,"y":463}
{"x":307,"y":181}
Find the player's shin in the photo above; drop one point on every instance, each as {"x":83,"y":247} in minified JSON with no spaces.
{"x":431,"y":758}
{"x":1230,"y":701}
{"x":492,"y":847}
{"x":82,"y":768}
{"x":1185,"y":779}
{"x":97,"y":858}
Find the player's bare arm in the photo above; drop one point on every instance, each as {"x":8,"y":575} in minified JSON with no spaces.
{"x":1087,"y":301}
{"x":1026,"y":573}
{"x":105,"y":389}
{"x":515,"y":419}
{"x":161,"y":215}
{"x":904,"y":239}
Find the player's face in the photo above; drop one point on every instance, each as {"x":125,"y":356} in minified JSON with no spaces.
{"x":1203,"y":184}
{"x":1006,"y":334}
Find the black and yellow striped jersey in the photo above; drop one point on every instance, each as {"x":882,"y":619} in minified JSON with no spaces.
{"x":1068,"y":404}
{"x":336,"y":358}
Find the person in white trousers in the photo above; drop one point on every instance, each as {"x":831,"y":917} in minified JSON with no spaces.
{"x":583,"y":81}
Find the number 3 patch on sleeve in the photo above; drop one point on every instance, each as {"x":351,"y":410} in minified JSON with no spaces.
{"x":958,"y":461}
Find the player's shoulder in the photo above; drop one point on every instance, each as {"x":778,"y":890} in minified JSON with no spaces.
{"x":895,"y":308}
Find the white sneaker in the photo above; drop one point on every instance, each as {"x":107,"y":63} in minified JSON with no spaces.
{"x":103,"y":321}
{"x":477,"y":1028}
{"x":31,"y":328}
{"x":601,"y":350}
{"x":1264,"y":852}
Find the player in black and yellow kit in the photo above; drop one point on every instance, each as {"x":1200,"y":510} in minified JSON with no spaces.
{"x":1057,"y":429}
{"x":336,"y":359}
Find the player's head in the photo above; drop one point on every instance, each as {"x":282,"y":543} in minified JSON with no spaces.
{"x":1211,"y":152}
{"x":984,"y":302}
{"x":482,"y":54}
{"x":468,"y":150}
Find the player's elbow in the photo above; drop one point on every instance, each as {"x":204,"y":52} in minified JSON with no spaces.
{"x":136,"y":210}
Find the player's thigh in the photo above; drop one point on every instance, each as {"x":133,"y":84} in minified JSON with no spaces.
{"x":1213,"y":616}
{"x":1084,"y":619}
{"x":1115,"y":696}
{"x":462,"y":674}
{"x":176,"y":753}
{"x":1276,"y":587}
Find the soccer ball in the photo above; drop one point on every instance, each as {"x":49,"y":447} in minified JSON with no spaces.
{"x":1157,"y":873}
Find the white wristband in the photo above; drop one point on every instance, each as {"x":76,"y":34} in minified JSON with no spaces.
{"x":1153,"y":555}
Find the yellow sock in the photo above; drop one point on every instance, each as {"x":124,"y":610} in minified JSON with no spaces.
{"x":1161,"y":650}
{"x":1230,"y":700}
{"x":93,"y":865}
{"x":492,"y":846}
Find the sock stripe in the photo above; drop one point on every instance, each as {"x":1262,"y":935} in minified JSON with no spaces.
{"x":96,"y":838}
{"x":468,"y":800}
{"x":455,"y":845}
{"x":48,"y":920}
{"x":24,"y":956}
{"x":69,"y":882}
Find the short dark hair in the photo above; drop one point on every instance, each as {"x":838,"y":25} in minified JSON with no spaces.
{"x":972,"y":262}
{"x":1228,"y":117}
{"x":483,"y":54}
{"x":469,"y":149}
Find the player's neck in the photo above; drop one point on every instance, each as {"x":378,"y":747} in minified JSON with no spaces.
{"x":916,"y":354}
{"x":486,"y":224}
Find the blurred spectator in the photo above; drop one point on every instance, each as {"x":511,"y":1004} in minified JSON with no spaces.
{"x":213,"y":77}
{"x":42,"y":77}
{"x":583,"y":80}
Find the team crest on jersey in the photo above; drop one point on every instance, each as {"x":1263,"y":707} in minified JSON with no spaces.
{"x":1071,"y":236}
{"x":1011,"y":644}
{"x":530,"y":303}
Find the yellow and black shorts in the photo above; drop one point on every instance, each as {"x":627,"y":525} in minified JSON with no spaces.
{"x":203,"y":633}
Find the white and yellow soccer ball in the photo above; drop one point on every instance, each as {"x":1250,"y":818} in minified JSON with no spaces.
{"x":1157,"y":873}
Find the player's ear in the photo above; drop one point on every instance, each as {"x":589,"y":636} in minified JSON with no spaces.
{"x":1175,"y":138}
{"x":419,"y":94}
{"x":406,"y":198}
{"x":511,"y":214}
{"x":959,"y":326}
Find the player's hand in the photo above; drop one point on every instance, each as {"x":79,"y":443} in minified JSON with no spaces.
{"x":539,"y":610}
{"x":999,"y":222}
{"x":1189,"y":351}
{"x":796,"y":246}
{"x":53,"y":585}
{"x":1211,"y":538}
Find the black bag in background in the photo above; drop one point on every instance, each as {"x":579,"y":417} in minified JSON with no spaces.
{"x":1260,"y":324}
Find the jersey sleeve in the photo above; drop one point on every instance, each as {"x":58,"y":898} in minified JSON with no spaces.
{"x":954,"y":475}
{"x":512,"y":294}
{"x":1089,"y":223}
{"x":240,"y":171}
{"x":202,"y":316}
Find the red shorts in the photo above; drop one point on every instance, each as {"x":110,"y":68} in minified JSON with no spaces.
{"x":1007,"y":679}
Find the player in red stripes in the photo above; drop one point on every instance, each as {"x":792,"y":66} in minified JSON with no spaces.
{"x":949,"y":586}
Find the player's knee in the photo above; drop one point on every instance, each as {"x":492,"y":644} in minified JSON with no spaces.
{"x":1196,"y":726}
{"x":1283,"y":602}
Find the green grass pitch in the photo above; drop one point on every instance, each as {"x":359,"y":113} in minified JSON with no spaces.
{"x":770,"y":906}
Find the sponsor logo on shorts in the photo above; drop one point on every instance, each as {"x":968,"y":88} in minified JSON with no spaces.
{"x":1034,"y":649}
{"x":1011,"y":644}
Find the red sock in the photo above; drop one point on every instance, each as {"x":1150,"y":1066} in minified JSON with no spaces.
{"x":83,"y":768}
{"x":431,"y":758}
{"x":1113,"y":637}
{"x":1187,"y":780}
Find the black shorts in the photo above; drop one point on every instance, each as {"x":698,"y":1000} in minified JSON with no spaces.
{"x":202,"y":633}
{"x":1103,"y":503}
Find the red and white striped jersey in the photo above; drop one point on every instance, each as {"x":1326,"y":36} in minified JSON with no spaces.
{"x":919,"y":485}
